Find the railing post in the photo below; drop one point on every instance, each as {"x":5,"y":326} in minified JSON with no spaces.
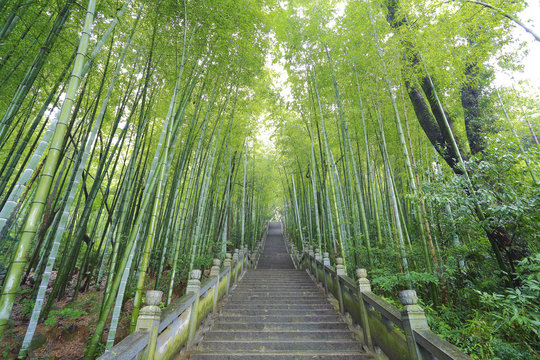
{"x":241,"y":258}
{"x":340,"y":271}
{"x":310,"y":253}
{"x":326,"y":262}
{"x":148,"y":320}
{"x":193,"y":287}
{"x":259,"y":251}
{"x":412,"y":318}
{"x":255,"y":256}
{"x":364,"y":286}
{"x":214,"y":273}
{"x":318,"y":254}
{"x":235,"y":265}
{"x":326,"y":259}
{"x":227,"y":264}
{"x":318,"y":257}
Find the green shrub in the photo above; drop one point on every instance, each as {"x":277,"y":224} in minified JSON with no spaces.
{"x":66,"y":314}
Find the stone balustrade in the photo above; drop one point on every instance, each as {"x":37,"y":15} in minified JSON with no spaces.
{"x":398,"y":334}
{"x":162,"y":334}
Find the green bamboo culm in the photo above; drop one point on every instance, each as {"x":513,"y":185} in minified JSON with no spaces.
{"x":17,"y":266}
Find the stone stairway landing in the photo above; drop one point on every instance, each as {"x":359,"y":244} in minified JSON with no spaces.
{"x":277,"y":312}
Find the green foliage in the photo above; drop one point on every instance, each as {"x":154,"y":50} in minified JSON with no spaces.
{"x":67,"y":313}
{"x":516,"y":313}
{"x":202,"y":262}
{"x":99,"y":350}
{"x":495,"y":325}
{"x":27,"y":307}
{"x":391,"y":283}
{"x":454,"y":271}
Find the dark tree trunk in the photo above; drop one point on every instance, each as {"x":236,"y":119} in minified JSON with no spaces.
{"x":470,"y":95}
{"x":431,"y":115}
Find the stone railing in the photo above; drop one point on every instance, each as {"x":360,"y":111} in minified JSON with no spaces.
{"x":398,"y":334}
{"x":160,"y":335}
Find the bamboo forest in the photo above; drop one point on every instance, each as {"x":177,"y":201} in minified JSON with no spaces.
{"x":144,"y":143}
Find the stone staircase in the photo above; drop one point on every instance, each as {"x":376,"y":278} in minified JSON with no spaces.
{"x":277,"y":312}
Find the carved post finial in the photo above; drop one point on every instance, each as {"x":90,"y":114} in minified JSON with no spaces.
{"x":194,"y":283}
{"x":214,"y":271}
{"x":408,"y":297}
{"x":318,"y":255}
{"x":363,"y":283}
{"x":149,"y":318}
{"x":326,"y":259}
{"x":227,"y":261}
{"x":340,"y":268}
{"x":153,"y":297}
{"x":412,"y":318}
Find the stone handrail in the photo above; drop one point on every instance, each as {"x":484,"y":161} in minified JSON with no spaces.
{"x":399,"y":334}
{"x":160,"y":334}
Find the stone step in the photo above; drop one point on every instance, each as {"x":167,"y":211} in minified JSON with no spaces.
{"x":276,"y":290}
{"x":284,"y":312}
{"x":272,"y":306}
{"x":282,"y":346}
{"x":284,"y":287}
{"x":259,"y":271}
{"x":278,"y":312}
{"x":292,"y":297}
{"x":283,"y":300}
{"x":278,"y":318}
{"x":272,"y":326}
{"x":260,"y":301}
{"x":278,"y":284}
{"x":283,"y":278}
{"x":341,"y":355}
{"x":290,"y":293}
{"x":280,"y":335}
{"x":277,"y":277}
{"x":274,"y":273}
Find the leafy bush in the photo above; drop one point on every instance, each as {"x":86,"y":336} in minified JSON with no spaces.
{"x":66,"y":314}
{"x":391,"y":282}
{"x":496,"y":326}
{"x":516,"y":313}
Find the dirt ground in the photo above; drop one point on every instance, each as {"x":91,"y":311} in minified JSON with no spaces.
{"x":68,"y":338}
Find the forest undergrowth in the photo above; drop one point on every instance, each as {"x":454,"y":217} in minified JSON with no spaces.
{"x":140,"y":140}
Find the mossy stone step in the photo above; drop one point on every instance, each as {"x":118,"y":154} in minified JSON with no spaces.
{"x":280,"y":335}
{"x":283,"y":356}
{"x":278,"y":312}
{"x":281,"y":345}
